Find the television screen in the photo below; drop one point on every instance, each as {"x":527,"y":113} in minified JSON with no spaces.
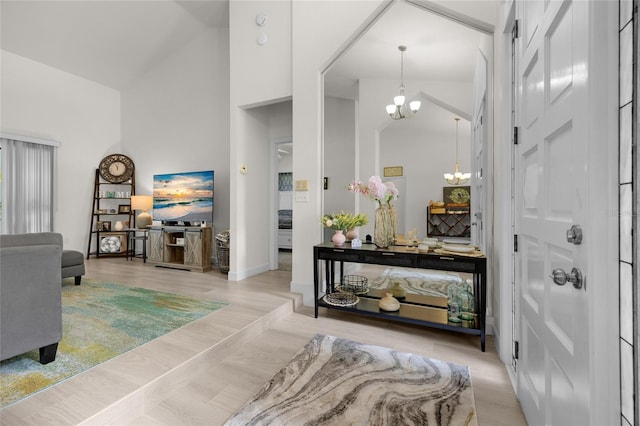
{"x":183,"y":197}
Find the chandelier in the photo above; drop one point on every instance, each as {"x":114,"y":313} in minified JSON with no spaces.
{"x":399,"y":109}
{"x":457,"y":178}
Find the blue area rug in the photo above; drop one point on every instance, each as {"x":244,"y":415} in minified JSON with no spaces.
{"x":99,"y":321}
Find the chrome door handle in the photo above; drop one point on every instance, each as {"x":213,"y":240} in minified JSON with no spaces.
{"x":560,"y":277}
{"x":574,"y":234}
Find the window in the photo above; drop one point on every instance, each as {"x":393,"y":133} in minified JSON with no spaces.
{"x":26,"y":180}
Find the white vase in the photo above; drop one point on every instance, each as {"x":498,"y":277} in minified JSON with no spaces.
{"x":389,"y":303}
{"x":118,"y":226}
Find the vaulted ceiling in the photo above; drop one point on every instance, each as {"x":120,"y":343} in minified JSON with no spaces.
{"x":113,"y":42}
{"x":109,"y":42}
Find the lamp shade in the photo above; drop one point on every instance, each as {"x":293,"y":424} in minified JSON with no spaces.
{"x":141,"y":202}
{"x":144,"y":203}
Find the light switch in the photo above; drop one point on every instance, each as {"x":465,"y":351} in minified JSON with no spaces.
{"x":302,"y":185}
{"x":302,"y":196}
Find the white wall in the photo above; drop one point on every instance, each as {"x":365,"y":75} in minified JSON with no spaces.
{"x":340,"y":157}
{"x":38,"y":100}
{"x":425,"y":152}
{"x":333,"y":23}
{"x":259,"y":75}
{"x":175,"y":118}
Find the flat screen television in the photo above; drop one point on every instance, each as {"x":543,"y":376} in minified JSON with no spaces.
{"x":183,"y":198}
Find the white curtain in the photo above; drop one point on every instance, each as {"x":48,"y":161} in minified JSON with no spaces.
{"x":27,"y":186}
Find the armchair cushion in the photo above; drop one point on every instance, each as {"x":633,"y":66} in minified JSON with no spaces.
{"x":30,"y":294}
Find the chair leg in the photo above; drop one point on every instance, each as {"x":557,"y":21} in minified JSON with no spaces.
{"x":48,"y":353}
{"x":78,"y":278}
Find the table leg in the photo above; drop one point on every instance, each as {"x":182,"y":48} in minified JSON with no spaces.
{"x":315,"y":286}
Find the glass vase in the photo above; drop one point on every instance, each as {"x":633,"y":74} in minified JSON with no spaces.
{"x":384,"y":232}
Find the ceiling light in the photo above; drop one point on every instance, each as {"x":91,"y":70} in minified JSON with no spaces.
{"x":457,"y":178}
{"x":399,"y":109}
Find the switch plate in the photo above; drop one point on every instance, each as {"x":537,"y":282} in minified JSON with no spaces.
{"x":302,"y":185}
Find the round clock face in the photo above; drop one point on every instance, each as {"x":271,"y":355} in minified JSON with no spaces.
{"x":116,"y":168}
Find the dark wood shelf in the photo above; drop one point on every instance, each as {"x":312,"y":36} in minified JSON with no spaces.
{"x":449,"y":224}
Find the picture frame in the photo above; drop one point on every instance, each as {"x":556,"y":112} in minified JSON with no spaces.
{"x":103,"y":225}
{"x":456,"y":195}
{"x":395,"y":171}
{"x":124,"y":209}
{"x":112,"y":243}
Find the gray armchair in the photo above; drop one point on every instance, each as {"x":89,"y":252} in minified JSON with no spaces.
{"x":30,"y":294}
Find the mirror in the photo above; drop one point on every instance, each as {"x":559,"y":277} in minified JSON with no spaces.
{"x":360,"y":139}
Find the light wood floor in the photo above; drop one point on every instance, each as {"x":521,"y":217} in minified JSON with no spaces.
{"x":205,"y":371}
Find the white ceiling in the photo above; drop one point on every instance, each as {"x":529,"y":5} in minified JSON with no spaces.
{"x":113,"y":42}
{"x":438,"y":48}
{"x":110,"y":42}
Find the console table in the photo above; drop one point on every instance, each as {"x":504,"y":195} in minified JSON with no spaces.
{"x":414,"y":309}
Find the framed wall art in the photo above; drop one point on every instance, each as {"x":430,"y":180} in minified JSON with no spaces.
{"x":456,"y":195}
{"x":102,"y":225}
{"x":394,"y":171}
{"x":113,"y":243}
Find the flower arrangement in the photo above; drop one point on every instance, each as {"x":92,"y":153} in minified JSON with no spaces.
{"x":375,"y":189}
{"x":344,"y":221}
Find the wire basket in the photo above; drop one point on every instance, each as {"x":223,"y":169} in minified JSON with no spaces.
{"x":354,"y":284}
{"x":341,"y":299}
{"x":223,"y":256}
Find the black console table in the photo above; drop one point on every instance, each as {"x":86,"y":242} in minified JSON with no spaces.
{"x":414,"y":308}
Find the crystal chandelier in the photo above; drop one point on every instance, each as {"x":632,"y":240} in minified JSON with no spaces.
{"x":457,"y":178}
{"x":399,"y":109}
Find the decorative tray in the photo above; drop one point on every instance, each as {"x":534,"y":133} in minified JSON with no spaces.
{"x":341,"y":299}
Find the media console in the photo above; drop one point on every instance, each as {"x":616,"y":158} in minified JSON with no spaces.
{"x":181,"y":247}
{"x":415,"y":309}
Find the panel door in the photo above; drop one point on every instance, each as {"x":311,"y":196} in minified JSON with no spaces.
{"x":478,"y":183}
{"x":156,"y":246}
{"x":553,"y":366}
{"x":193,"y":248}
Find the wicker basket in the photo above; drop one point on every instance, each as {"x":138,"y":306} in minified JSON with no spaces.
{"x":354,"y":284}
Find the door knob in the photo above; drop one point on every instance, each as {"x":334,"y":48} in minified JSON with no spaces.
{"x":560,"y":277}
{"x":574,"y":234}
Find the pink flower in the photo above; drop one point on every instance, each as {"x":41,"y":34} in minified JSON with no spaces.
{"x":376,"y":190}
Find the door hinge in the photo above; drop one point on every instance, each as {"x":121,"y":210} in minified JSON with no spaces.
{"x":516,"y":349}
{"x":515,"y":135}
{"x":515,"y":243}
{"x":515,"y":33}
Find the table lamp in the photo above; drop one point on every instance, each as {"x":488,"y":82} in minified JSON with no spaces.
{"x":144,"y":203}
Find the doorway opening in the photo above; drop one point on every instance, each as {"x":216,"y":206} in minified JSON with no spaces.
{"x":283,"y":156}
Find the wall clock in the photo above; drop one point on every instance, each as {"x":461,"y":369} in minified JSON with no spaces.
{"x":116,"y":168}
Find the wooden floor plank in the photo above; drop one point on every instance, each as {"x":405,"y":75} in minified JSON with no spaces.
{"x":227,"y":380}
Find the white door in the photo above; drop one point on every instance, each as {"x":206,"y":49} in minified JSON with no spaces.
{"x":478,"y":190}
{"x":551,"y":181}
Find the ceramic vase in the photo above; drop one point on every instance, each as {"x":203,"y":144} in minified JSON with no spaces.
{"x":384,"y":233}
{"x":397,"y":290}
{"x":118,"y":226}
{"x":351,"y":234}
{"x":389,"y":303}
{"x":338,"y":238}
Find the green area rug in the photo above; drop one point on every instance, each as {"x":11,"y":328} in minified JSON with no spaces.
{"x":99,"y":321}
